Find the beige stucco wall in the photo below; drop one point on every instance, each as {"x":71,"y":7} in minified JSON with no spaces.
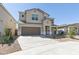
{"x":20,"y":16}
{"x":29,"y":16}
{"x":50,"y":23}
{"x":30,"y":25}
{"x":11,"y":24}
{"x":2,"y":19}
{"x":6,"y":21}
{"x":47,"y":22}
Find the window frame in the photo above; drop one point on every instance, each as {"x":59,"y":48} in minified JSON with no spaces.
{"x":34,"y":17}
{"x":22,"y":15}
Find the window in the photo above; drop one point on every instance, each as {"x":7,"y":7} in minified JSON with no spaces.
{"x":44,"y":17}
{"x":34,"y":17}
{"x":22,"y":15}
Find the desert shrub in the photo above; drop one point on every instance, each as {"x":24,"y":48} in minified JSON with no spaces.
{"x":7,"y":32}
{"x":7,"y":38}
{"x":72,"y":33}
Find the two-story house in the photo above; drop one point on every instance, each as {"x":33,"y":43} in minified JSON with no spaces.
{"x":35,"y":22}
{"x":6,"y":21}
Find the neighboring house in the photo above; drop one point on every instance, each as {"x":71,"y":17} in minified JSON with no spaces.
{"x":75,"y":26}
{"x":6,"y":21}
{"x":35,"y":22}
{"x":68,"y":27}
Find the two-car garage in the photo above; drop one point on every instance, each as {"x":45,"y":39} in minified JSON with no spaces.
{"x":30,"y":31}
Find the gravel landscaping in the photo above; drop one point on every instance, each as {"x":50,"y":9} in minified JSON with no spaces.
{"x":6,"y":49}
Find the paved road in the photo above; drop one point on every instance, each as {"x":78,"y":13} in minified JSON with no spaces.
{"x":45,"y":46}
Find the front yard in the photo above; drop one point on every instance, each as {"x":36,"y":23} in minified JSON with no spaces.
{"x":36,"y":45}
{"x":6,"y":49}
{"x":8,"y":43}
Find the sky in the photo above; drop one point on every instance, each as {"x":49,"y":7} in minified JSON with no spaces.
{"x":62,"y":12}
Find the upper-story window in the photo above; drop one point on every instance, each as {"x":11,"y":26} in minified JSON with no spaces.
{"x":22,"y":15}
{"x":34,"y":17}
{"x":44,"y":17}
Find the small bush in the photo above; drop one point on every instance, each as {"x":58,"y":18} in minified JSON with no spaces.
{"x":72,"y":33}
{"x":7,"y":32}
{"x":7,"y":38}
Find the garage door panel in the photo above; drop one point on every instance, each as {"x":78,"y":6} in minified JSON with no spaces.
{"x":30,"y":31}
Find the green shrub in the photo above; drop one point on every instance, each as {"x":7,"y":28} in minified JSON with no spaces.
{"x":72,"y":33}
{"x":7,"y":38}
{"x":7,"y":32}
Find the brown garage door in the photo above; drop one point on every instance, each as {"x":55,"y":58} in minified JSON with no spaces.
{"x":30,"y":31}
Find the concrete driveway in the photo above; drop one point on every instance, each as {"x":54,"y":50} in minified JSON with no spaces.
{"x":28,"y":42}
{"x":44,"y":46}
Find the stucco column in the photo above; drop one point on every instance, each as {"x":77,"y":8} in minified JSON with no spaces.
{"x":44,"y":31}
{"x":41,"y":31}
{"x":68,"y":29}
{"x":50,"y":30}
{"x":19,"y":30}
